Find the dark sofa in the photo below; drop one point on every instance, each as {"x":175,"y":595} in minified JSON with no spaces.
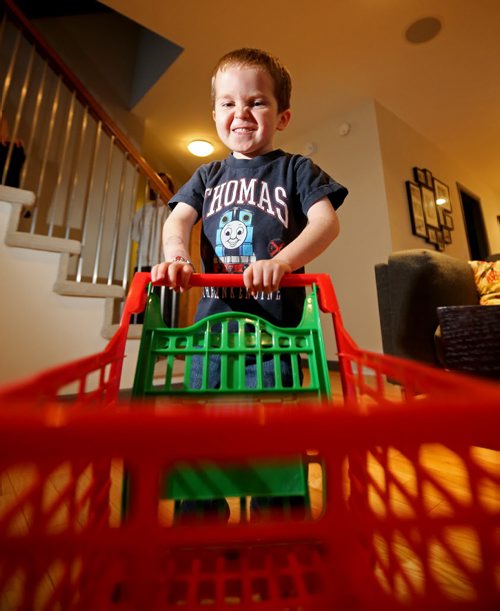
{"x":410,"y":288}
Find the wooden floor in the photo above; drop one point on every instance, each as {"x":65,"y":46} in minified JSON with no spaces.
{"x":434,"y":486}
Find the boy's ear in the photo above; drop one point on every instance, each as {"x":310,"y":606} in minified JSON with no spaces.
{"x":284,"y":119}
{"x":213,"y":115}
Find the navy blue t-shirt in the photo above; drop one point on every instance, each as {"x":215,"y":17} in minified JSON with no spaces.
{"x":251,"y":209}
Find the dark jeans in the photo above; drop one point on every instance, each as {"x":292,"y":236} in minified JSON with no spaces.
{"x":268,"y":377}
{"x":261,"y":506}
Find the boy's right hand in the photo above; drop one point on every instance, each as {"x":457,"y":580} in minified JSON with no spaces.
{"x":176,"y":273}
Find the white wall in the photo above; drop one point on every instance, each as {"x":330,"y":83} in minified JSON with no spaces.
{"x":40,"y":329}
{"x":355,"y":161}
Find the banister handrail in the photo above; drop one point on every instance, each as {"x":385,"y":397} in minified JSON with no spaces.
{"x":84,"y":96}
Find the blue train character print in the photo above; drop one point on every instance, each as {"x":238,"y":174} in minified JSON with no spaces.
{"x":234,"y":241}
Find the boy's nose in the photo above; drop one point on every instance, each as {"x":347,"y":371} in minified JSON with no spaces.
{"x":241,"y":110}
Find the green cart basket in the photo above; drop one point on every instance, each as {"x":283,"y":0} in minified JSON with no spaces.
{"x":234,"y":338}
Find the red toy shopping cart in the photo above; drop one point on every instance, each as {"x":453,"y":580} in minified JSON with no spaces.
{"x":410,"y":474}
{"x":228,"y":345}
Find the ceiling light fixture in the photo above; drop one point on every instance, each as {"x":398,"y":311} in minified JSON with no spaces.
{"x":200,"y":148}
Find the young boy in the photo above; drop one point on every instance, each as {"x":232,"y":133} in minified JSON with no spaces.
{"x":264,"y":212}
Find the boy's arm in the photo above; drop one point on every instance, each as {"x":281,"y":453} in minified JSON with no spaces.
{"x":321,"y":229}
{"x":176,"y":234}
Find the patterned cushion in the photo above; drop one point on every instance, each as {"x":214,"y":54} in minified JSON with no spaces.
{"x":487,"y":278}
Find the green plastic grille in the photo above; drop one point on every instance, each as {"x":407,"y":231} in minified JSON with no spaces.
{"x":236,"y":338}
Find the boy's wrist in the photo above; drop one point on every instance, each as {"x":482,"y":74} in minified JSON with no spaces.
{"x":180,"y":259}
{"x":284,"y":263}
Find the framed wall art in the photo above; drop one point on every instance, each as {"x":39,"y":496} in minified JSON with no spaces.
{"x":429,"y":206}
{"x":441,"y":214}
{"x":417,"y":217}
{"x":440,"y":240}
{"x":419,"y":175}
{"x":448,"y":221}
{"x":429,"y":180}
{"x":442,"y":195}
{"x":432,"y":235}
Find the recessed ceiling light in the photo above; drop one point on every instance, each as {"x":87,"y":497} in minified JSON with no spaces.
{"x":200,"y":148}
{"x":423,"y":30}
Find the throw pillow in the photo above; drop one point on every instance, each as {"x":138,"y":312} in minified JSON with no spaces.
{"x":487,"y":278}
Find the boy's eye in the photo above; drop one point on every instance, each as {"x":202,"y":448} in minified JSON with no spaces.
{"x":227,"y":104}
{"x":259,"y":103}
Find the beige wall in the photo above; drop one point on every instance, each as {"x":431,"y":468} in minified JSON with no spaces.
{"x":373,"y":161}
{"x":402,"y":149}
{"x":355,"y":161}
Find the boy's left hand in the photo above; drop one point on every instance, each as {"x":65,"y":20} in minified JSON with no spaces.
{"x":265,"y":275}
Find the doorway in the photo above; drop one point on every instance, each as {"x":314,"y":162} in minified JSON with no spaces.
{"x":474,"y":224}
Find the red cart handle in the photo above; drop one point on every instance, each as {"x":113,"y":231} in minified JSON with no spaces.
{"x":327,"y":299}
{"x":136,"y":301}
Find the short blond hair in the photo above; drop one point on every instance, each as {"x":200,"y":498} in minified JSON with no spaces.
{"x":267,"y":62}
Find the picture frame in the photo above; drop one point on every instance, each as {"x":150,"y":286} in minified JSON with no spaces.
{"x":448,"y":221}
{"x":429,"y":220}
{"x":440,"y":240}
{"x":441,"y":214}
{"x":442,"y":192}
{"x":431,"y":235}
{"x":429,"y":180}
{"x":419,"y":176}
{"x":429,"y":207}
{"x":417,"y":216}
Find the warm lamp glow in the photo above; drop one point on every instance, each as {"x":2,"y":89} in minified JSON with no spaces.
{"x":200,"y":148}
{"x":440,"y":201}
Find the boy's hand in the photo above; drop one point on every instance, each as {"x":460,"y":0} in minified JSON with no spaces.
{"x":176,"y":273}
{"x":265,"y":275}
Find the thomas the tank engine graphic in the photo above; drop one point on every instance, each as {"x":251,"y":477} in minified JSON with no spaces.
{"x":234,"y":241}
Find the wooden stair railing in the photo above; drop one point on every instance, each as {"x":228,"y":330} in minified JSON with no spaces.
{"x":87,"y":177}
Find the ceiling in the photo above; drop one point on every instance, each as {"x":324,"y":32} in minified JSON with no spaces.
{"x":340,"y":52}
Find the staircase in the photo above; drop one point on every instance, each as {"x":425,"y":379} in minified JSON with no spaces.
{"x":86,"y":178}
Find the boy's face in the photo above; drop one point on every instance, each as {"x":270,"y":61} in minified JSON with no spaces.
{"x":246,"y":111}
